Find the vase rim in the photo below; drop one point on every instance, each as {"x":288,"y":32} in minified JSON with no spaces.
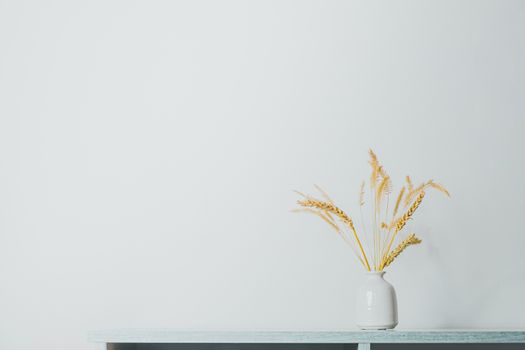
{"x":375,"y":272}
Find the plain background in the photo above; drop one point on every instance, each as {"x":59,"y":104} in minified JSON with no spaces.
{"x":149,"y":151}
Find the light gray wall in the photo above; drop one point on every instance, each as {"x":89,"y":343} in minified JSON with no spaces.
{"x":149,"y":149}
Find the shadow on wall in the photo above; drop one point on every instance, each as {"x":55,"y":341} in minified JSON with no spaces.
{"x":314,"y":347}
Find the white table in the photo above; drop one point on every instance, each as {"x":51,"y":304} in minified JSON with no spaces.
{"x":137,"y":339}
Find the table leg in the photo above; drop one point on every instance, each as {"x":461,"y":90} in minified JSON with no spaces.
{"x":363,"y":346}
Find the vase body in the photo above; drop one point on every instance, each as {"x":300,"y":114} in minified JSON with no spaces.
{"x":376,"y":303}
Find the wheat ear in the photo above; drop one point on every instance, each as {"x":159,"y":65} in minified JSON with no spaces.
{"x":410,"y":240}
{"x":329,"y":207}
{"x":438,"y":187}
{"x":384,"y":188}
{"x":430,"y":183}
{"x":321,"y":215}
{"x":404,"y":219}
{"x":329,"y":220}
{"x":398,"y":201}
{"x":409,"y":184}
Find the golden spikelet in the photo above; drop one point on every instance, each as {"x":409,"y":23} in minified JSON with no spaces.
{"x":410,"y":240}
{"x":404,"y":219}
{"x":373,"y":158}
{"x":438,"y":187}
{"x":412,"y":194}
{"x":384,"y":189}
{"x":374,"y":163}
{"x":325,"y":213}
{"x":410,"y":186}
{"x":393,"y":223}
{"x":384,"y":225}
{"x":398,"y":201}
{"x":329,"y":207}
{"x":381,"y":170}
{"x":321,"y":215}
{"x":430,"y":183}
{"x":377,"y":169}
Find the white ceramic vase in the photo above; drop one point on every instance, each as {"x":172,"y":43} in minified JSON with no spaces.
{"x":376,"y":303}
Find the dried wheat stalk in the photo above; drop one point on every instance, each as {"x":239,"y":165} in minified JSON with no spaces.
{"x":404,"y":219}
{"x":402,"y":222}
{"x":329,"y":207}
{"x":385,"y":227}
{"x":398,"y":201}
{"x":410,"y":240}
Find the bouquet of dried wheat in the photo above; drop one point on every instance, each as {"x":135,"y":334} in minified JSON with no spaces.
{"x":385,"y":226}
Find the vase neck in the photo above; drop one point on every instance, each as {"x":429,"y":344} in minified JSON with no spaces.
{"x":375,"y":274}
